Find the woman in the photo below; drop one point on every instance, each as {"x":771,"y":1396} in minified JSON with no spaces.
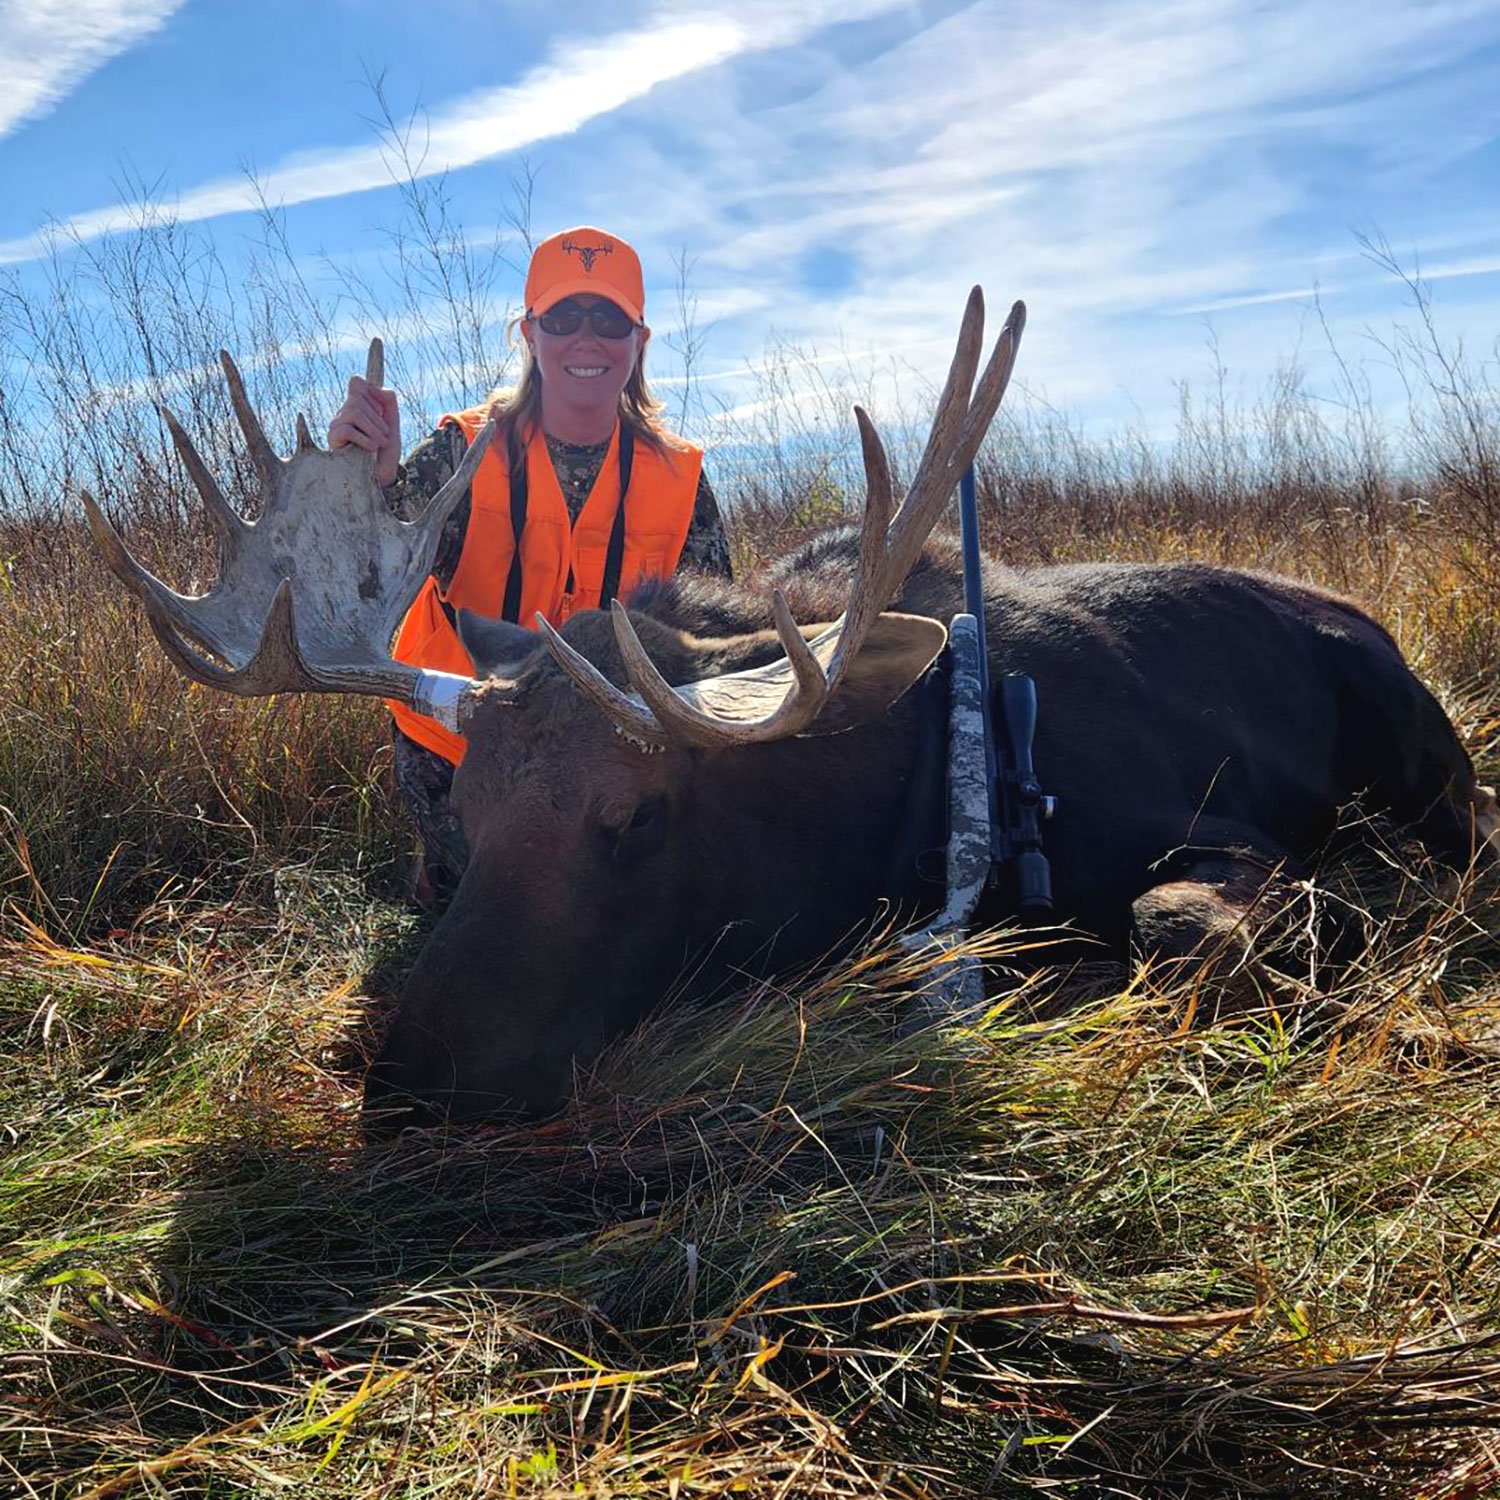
{"x":579,"y":431}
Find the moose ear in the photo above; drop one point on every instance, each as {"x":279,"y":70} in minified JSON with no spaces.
{"x":895,"y":654}
{"x":495,"y":646}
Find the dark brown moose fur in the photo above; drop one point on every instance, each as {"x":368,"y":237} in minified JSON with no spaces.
{"x":1192,"y":719}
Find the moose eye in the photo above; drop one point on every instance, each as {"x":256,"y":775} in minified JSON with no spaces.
{"x":636,"y":831}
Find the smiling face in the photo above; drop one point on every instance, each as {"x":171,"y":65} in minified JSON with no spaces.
{"x":582,"y":374}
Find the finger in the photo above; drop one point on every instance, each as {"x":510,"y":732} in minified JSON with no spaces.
{"x":345,"y":434}
{"x":372,"y":417}
{"x":361,"y":412}
{"x":380,"y":398}
{"x":350,"y":421}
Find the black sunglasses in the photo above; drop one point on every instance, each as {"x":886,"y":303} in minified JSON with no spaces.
{"x":607,"y":320}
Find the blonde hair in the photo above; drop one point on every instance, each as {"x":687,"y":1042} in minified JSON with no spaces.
{"x":519,"y":406}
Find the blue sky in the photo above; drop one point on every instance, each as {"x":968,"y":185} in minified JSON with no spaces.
{"x":1149,"y":176}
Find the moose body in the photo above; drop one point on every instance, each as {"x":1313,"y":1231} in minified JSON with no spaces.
{"x":1191,"y":717}
{"x":660,"y":800}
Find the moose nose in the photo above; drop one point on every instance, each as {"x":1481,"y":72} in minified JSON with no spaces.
{"x":391,"y":1107}
{"x":395,"y":1101}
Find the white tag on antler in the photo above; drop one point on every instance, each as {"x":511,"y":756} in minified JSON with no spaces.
{"x":438,"y":695}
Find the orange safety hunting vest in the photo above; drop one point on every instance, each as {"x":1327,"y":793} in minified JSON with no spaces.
{"x":554,"y":551}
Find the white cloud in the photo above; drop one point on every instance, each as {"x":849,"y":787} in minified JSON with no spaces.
{"x":1226,"y":304}
{"x":1483,"y":266}
{"x":581,"y":80}
{"x":50,"y":46}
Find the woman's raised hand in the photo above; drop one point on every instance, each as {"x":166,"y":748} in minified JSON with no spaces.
{"x":370,"y":419}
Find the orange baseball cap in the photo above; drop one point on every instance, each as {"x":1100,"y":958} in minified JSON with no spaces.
{"x":587,"y":261}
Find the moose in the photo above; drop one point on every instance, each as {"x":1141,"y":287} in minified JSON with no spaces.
{"x":708,"y":784}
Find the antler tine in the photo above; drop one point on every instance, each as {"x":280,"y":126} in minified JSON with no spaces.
{"x":632,"y":719}
{"x":690,"y":725}
{"x":305,"y":442}
{"x":953,"y":401}
{"x":174,"y":623}
{"x":281,"y":666}
{"x":991,"y":388}
{"x":440,"y":507}
{"x":879,"y":495}
{"x":867,"y":596}
{"x":262,"y":454}
{"x":944,"y":462}
{"x":164,"y":606}
{"x":933,"y":485}
{"x":375,"y":375}
{"x":230,"y":525}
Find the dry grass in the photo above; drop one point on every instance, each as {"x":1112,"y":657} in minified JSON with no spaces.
{"x":791,"y":1252}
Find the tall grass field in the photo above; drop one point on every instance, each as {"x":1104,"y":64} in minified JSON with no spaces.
{"x":1109,"y":1238}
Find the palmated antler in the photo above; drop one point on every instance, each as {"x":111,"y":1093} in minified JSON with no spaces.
{"x":785,"y":698}
{"x":309,"y":596}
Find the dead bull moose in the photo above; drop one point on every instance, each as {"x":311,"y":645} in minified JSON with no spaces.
{"x":768,"y":782}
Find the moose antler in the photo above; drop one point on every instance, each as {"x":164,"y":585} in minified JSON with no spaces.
{"x":768,"y":703}
{"x":309,"y":596}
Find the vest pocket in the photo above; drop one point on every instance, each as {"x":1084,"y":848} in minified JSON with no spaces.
{"x":645,"y":558}
{"x":588,"y":575}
